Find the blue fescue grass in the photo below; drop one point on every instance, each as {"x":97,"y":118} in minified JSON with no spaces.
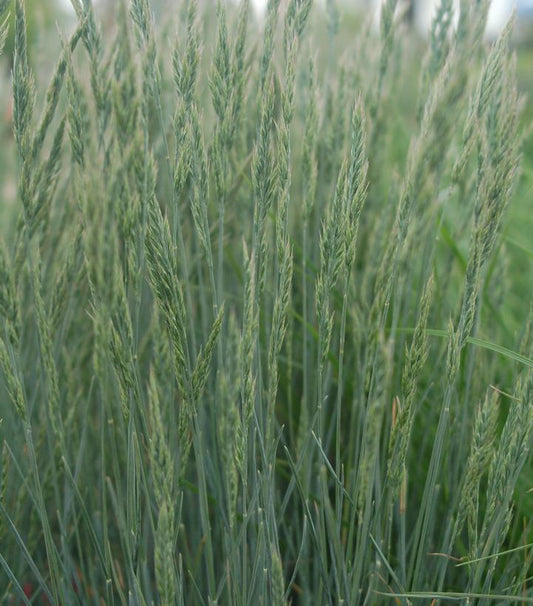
{"x":255,"y":345}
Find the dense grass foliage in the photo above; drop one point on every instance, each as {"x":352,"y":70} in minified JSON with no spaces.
{"x":255,"y":346}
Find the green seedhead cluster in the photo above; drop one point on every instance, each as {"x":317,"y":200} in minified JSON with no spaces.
{"x":253,"y":335}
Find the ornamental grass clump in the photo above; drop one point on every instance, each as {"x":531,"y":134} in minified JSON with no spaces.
{"x":252,"y":347}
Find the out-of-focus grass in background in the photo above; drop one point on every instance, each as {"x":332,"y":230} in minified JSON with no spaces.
{"x":520,"y":221}
{"x":43,"y":46}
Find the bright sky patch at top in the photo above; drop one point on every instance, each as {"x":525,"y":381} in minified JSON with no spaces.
{"x":500,"y":9}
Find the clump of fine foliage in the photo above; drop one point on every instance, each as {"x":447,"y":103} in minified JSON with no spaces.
{"x":253,"y":346}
